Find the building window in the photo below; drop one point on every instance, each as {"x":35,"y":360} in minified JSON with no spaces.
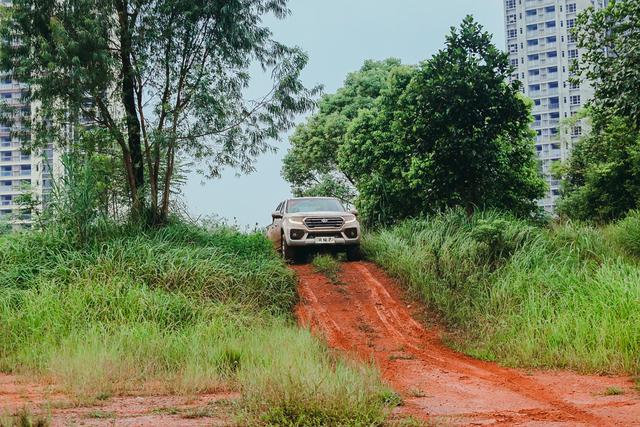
{"x":550,"y":9}
{"x":552,"y":54}
{"x":512,"y":19}
{"x":571,"y":8}
{"x":571,"y":23}
{"x":574,"y":100}
{"x":511,"y":4}
{"x":573,"y":53}
{"x":512,"y":33}
{"x":553,"y":85}
{"x":550,"y":24}
{"x":514,"y":62}
{"x":574,"y":85}
{"x":532,"y":42}
{"x":535,"y":72}
{"x":552,"y":39}
{"x":571,"y":38}
{"x":532,"y":12}
{"x":534,"y":57}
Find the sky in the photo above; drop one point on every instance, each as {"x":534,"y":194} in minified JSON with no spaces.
{"x":338,"y":35}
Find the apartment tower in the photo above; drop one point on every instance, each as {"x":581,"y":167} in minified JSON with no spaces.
{"x":20,"y":171}
{"x":542,"y":49}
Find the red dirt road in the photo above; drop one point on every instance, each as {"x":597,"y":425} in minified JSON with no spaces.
{"x":366,"y":315}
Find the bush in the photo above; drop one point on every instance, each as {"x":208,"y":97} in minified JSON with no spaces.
{"x":626,"y":233}
{"x":544,"y":297}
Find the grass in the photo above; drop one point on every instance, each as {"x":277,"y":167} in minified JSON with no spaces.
{"x":24,"y":418}
{"x":613,"y":391}
{"x":179,"y":310}
{"x":561,"y":296}
{"x":328,"y":265}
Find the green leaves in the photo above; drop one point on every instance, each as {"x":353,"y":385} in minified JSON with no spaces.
{"x":449,"y":133}
{"x":602,"y":177}
{"x":166,"y":78}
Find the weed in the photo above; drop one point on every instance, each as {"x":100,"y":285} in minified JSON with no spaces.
{"x":199,"y":412}
{"x":636,"y":383}
{"x":613,"y":391}
{"x":417,"y":393}
{"x":101,"y":414}
{"x":391,"y":398}
{"x":103,"y":396}
{"x":24,"y":418}
{"x":166,"y":410}
{"x":327,"y":265}
{"x":401,"y":357}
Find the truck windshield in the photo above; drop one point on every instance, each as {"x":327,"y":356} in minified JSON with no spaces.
{"x":314,"y":205}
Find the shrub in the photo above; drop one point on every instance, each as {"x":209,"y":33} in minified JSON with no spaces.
{"x":626,"y":233}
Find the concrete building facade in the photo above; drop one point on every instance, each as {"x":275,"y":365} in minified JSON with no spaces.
{"x":541,"y":48}
{"x":20,"y":171}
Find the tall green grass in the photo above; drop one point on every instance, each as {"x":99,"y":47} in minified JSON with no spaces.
{"x":560,"y":296}
{"x":179,"y":309}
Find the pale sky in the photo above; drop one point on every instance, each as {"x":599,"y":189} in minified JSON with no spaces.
{"x":338,"y":35}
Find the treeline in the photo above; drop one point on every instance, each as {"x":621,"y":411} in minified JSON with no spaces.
{"x":404,"y":141}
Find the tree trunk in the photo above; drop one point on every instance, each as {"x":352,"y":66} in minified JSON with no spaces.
{"x":134,"y":161}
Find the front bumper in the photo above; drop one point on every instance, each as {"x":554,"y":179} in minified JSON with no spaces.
{"x":318,"y":236}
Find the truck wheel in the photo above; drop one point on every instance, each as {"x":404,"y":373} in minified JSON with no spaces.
{"x":288,"y":253}
{"x":354,"y":253}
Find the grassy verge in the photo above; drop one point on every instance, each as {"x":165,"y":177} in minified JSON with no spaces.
{"x":327,"y":265}
{"x":565,"y":296}
{"x":179,"y":309}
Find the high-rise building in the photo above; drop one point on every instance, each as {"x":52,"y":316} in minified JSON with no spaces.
{"x":542,"y":49}
{"x":20,"y":171}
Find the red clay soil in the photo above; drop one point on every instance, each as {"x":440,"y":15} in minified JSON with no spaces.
{"x":367,"y":315}
{"x":42,"y":401}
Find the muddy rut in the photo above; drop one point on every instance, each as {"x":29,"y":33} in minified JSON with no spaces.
{"x":366,"y":315}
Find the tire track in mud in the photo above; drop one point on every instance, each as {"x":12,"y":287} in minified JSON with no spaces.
{"x":365,"y":316}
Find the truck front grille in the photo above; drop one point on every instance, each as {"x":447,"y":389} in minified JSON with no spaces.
{"x":317,"y":222}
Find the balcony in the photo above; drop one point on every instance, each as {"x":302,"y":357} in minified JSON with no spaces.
{"x":541,"y":47}
{"x":543,"y":77}
{"x":546,"y":123}
{"x":19,"y":159}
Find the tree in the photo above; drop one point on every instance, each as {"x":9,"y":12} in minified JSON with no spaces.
{"x":610,"y":38}
{"x":451,"y":133}
{"x":166,"y":78}
{"x":311,"y":165}
{"x":601,"y":180}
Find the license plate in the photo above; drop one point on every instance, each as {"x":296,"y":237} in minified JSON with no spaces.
{"x":325,"y":240}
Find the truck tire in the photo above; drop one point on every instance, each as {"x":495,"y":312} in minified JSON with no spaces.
{"x":354,"y":253}
{"x":288,"y":253}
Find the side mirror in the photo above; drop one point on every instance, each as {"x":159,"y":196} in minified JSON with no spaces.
{"x":354,"y":212}
{"x":276,"y":215}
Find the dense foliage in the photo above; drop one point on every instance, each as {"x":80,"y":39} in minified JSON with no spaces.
{"x":413,"y":140}
{"x":311,"y":166}
{"x":166,"y":79}
{"x":602,"y":178}
{"x":564,"y":297}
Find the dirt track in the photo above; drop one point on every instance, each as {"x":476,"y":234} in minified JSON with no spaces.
{"x":366,"y":315}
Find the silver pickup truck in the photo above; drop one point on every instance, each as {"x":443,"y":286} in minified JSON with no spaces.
{"x":314,"y":222}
